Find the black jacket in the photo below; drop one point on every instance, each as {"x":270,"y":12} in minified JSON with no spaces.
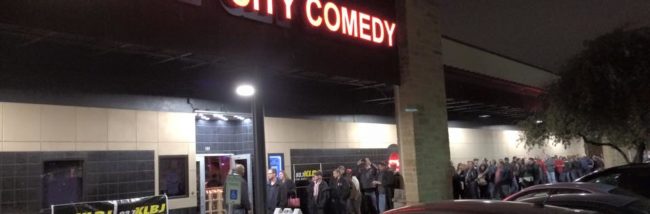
{"x":276,"y":196}
{"x":366,"y":177}
{"x":323,"y":195}
{"x":339,"y":189}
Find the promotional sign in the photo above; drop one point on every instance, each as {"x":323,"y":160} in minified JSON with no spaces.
{"x":276,"y":161}
{"x":97,"y":207}
{"x":304,"y":172}
{"x":334,"y":17}
{"x":144,"y":205}
{"x":233,"y":189}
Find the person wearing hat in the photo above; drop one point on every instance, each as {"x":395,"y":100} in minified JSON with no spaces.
{"x":318,"y":194}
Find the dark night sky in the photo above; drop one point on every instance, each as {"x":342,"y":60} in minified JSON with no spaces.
{"x":543,"y":33}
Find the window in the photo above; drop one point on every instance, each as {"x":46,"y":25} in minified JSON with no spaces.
{"x":570,"y":191}
{"x":62,"y":182}
{"x":534,"y":194}
{"x":173,"y":176}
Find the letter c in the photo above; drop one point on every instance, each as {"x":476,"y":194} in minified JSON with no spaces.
{"x":314,"y":22}
{"x":238,"y":3}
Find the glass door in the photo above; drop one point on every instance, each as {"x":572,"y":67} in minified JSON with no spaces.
{"x":214,"y":169}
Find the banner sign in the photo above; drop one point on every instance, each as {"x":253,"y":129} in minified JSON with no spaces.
{"x":97,"y":207}
{"x":144,"y":205}
{"x":334,"y":17}
{"x":304,"y":172}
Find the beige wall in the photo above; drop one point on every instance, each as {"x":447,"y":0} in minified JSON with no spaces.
{"x":284,"y":134}
{"x":31,"y":127}
{"x":498,"y":142}
{"x":469,"y":58}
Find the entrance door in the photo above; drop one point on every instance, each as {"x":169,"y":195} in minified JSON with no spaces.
{"x":213,"y":171}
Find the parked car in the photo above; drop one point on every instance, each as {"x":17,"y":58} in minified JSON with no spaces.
{"x":483,"y":207}
{"x":633,"y":177}
{"x":602,"y":203}
{"x":544,"y":190}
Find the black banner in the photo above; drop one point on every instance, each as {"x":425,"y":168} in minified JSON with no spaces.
{"x":304,"y":172}
{"x":97,"y":207}
{"x":144,"y":205}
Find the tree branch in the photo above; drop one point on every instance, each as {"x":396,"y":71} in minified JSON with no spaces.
{"x":584,"y":138}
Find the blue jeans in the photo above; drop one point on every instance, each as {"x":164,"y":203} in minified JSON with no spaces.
{"x":373,"y":199}
{"x":551,"y":177}
{"x":382,"y":202}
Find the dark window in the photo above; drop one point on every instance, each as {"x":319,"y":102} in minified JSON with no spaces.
{"x":534,"y":194}
{"x":62,"y":182}
{"x":569,"y":191}
{"x":173,"y":176}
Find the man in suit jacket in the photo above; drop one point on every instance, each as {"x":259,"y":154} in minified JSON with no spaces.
{"x":318,"y":194}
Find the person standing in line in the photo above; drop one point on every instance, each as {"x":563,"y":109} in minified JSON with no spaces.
{"x":482,"y":182}
{"x":471,"y":181}
{"x":340,"y":192}
{"x":550,"y":170}
{"x":559,"y":169}
{"x":492,"y":169}
{"x":398,"y":188}
{"x":318,"y":192}
{"x":288,"y":185}
{"x":354,"y":204}
{"x":498,"y":181}
{"x":368,"y":174}
{"x":276,"y":195}
{"x":384,"y":183}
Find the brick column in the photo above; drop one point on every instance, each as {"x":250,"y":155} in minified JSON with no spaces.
{"x":423,"y":137}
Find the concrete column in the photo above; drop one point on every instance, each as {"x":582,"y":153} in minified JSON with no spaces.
{"x":423,"y":137}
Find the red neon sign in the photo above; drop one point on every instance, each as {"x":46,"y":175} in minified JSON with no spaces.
{"x":328,"y":16}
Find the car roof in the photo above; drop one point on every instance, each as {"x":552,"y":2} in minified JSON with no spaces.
{"x":626,"y":167}
{"x":609,"y":199}
{"x":593,"y":187}
{"x":482,"y":206}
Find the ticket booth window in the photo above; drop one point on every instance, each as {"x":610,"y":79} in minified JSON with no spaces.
{"x":173,"y":176}
{"x":62,"y":182}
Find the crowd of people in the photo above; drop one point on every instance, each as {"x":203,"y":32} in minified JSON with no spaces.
{"x":369,"y":189}
{"x":494,"y":179}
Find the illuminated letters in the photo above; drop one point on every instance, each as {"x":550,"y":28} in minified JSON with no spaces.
{"x":314,"y":22}
{"x":329,"y":7}
{"x":269,"y":7}
{"x":239,"y":3}
{"x":256,"y":5}
{"x":377,"y":27}
{"x":349,"y":22}
{"x":364,"y":26}
{"x":390,"y":29}
{"x":287,"y":8}
{"x":321,"y":15}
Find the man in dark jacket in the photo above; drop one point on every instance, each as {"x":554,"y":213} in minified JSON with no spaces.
{"x":339,"y":192}
{"x":318,"y":194}
{"x":276,"y":195}
{"x":384,"y":187}
{"x":367,"y":177}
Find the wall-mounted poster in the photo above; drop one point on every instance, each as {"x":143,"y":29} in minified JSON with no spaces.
{"x":276,"y":161}
{"x":304,"y":172}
